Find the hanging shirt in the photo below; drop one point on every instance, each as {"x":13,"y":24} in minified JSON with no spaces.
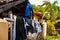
{"x":38,"y":26}
{"x":28,"y":10}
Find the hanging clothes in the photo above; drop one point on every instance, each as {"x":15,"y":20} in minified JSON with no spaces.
{"x":28,"y":10}
{"x":38,"y":26}
{"x":20,"y":29}
{"x":34,"y":26}
{"x":14,"y":32}
{"x":29,"y":26}
{"x":24,"y":26}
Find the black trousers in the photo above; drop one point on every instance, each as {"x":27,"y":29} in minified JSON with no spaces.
{"x":20,"y":29}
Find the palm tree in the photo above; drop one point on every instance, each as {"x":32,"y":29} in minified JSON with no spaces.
{"x":50,"y":8}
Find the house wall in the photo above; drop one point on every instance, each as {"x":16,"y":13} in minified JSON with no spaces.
{"x":3,"y":31}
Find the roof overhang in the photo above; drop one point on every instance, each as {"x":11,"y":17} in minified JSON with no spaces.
{"x":9,"y":5}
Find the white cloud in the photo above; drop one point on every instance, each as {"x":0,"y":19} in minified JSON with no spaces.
{"x":58,"y":2}
{"x":39,"y":2}
{"x":36,"y":2}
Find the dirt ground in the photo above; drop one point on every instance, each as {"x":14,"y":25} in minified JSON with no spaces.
{"x":54,"y":39}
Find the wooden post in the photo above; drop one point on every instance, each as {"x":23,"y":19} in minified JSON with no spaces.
{"x":11,"y":17}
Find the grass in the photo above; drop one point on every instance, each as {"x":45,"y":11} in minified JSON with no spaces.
{"x":53,"y":37}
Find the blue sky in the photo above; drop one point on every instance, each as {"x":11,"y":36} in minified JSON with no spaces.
{"x":40,"y":2}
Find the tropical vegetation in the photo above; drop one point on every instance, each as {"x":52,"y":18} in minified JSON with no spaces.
{"x":51,"y":11}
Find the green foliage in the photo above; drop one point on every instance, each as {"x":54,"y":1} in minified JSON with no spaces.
{"x":52,"y":37}
{"x":37,"y":8}
{"x":46,"y":8}
{"x":47,"y":16}
{"x":51,"y":27}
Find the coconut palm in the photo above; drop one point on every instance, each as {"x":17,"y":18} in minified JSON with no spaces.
{"x":51,"y":9}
